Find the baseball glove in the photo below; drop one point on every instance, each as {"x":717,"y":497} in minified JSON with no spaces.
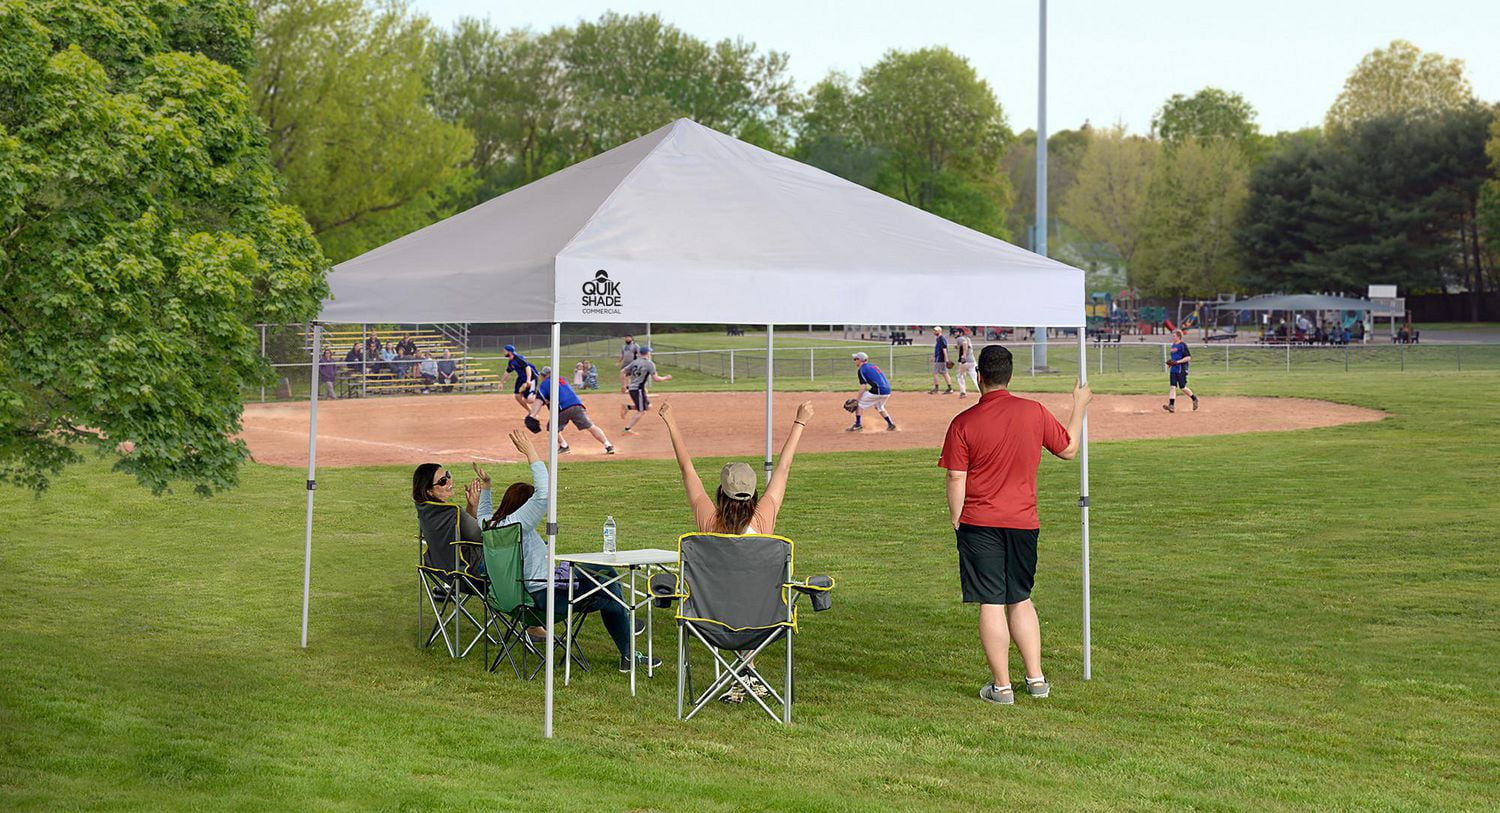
{"x":950,"y":365}
{"x":851,"y":405}
{"x":533,"y":424}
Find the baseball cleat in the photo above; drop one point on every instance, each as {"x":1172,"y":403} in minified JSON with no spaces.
{"x":609,"y":450}
{"x":855,"y":428}
{"x":1195,"y":403}
{"x":890,"y":427}
{"x":1169,"y":407}
{"x":948,"y":391}
{"x":565,"y":449}
{"x":932,"y":391}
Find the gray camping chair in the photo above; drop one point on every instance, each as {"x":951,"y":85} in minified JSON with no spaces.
{"x":736,"y":596}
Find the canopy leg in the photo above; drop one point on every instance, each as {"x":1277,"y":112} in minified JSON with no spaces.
{"x":552,"y":512}
{"x":312,"y":473}
{"x":1083,"y":505}
{"x":770,"y":336}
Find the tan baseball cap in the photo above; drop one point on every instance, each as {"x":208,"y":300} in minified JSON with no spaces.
{"x":737,"y":480}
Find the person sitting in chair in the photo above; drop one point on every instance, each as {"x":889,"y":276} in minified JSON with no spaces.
{"x":525,"y":504}
{"x":736,"y":508}
{"x":442,"y":520}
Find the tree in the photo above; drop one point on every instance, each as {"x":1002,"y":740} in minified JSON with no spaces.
{"x":1400,"y":80}
{"x":1187,"y":247}
{"x":1487,"y":215}
{"x":829,"y":137}
{"x":1384,"y":200}
{"x":141,"y":235}
{"x":1207,"y":115}
{"x":343,"y":90}
{"x":1107,"y":204}
{"x":1065,"y":151}
{"x":539,"y":102}
{"x":941,"y":134}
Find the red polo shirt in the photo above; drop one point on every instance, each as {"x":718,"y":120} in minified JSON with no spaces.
{"x":999,"y":442}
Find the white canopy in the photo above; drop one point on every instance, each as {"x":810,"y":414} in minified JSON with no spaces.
{"x":689,"y":224}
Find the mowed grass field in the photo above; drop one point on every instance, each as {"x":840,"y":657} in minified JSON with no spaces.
{"x":1291,"y":620}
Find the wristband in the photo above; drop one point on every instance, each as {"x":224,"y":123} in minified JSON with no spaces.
{"x":799,"y":423}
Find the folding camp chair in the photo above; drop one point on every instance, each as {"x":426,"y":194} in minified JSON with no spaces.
{"x":448,"y":593}
{"x":510,"y":607}
{"x":736,"y":596}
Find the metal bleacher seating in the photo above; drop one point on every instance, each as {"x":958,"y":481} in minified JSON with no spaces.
{"x":373,"y":378}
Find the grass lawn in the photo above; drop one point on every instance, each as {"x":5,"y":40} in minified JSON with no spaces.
{"x":1322,"y":635}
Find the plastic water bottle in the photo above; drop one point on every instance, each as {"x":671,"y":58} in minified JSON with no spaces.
{"x":609,"y":534}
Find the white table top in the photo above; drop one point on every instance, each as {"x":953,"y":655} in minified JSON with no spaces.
{"x":622,"y":558}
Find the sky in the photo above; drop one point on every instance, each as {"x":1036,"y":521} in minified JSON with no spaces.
{"x":1109,"y":61}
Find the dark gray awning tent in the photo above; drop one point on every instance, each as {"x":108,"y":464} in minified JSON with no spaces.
{"x":1304,"y":302}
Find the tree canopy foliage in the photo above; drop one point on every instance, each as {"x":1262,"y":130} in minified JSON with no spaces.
{"x":920,"y":126}
{"x":1400,"y":80}
{"x":1386,"y":200}
{"x":342,"y":87}
{"x":141,"y":235}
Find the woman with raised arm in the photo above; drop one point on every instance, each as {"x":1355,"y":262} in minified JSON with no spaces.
{"x":525,"y":504}
{"x":736,"y":509}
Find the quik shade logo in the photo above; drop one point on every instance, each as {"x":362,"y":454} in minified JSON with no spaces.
{"x":601,"y":294}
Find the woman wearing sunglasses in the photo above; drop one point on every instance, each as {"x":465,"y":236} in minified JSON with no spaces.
{"x":442,"y":520}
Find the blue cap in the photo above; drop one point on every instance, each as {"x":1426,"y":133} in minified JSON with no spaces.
{"x":645,"y":350}
{"x":510,"y":348}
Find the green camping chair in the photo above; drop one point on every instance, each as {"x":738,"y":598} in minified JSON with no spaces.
{"x":510,"y":608}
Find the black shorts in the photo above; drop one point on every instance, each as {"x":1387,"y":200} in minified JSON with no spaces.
{"x":575,"y":415}
{"x":1177,"y":376}
{"x":521,"y":382}
{"x":638,"y":400}
{"x":996,"y":565}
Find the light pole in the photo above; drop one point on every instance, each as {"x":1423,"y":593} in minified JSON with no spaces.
{"x":1039,"y":349}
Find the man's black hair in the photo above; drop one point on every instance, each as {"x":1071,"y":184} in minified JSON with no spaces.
{"x":995,"y":366}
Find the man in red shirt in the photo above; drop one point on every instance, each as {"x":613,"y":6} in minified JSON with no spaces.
{"x":991,"y":453}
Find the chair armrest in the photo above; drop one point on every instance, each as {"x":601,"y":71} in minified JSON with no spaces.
{"x":664,"y":590}
{"x":817,"y":589}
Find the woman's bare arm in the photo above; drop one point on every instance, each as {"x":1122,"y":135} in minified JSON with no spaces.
{"x":776,"y":489}
{"x":698,"y":499}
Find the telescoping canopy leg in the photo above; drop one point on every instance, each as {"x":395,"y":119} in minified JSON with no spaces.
{"x":770,"y":376}
{"x":312,"y":472}
{"x":552,"y":401}
{"x":1083,"y":505}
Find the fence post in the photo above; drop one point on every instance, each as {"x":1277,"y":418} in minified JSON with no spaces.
{"x":812,"y":361}
{"x":1101,"y":358}
{"x":1458,"y":355}
{"x":1226,"y":357}
{"x":731,"y":365}
{"x":1117,"y":358}
{"x":890,"y":366}
{"x":1289,"y":352}
{"x":1346,"y":358}
{"x":1403,"y":358}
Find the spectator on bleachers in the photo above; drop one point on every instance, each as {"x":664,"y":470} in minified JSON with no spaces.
{"x":354,"y":358}
{"x":429,"y":372}
{"x":373,"y":346}
{"x":387,"y":361}
{"x":328,"y":373}
{"x":447,"y":371}
{"x":406,"y":347}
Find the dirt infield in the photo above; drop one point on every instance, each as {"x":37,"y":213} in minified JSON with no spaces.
{"x":460,"y":428}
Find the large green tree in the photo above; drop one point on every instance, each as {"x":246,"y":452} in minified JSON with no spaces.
{"x":343,"y":89}
{"x":1065,"y":152}
{"x":925,"y":129}
{"x":1211,"y":114}
{"x":1187,"y":246}
{"x":539,"y":102}
{"x":1384,"y":200}
{"x":141,"y":235}
{"x":1400,"y":80}
{"x":1107,"y":204}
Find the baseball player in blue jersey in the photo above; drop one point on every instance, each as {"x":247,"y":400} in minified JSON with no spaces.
{"x":526,"y":376}
{"x":1177,"y":372}
{"x":875,"y":391}
{"x":569,"y":410}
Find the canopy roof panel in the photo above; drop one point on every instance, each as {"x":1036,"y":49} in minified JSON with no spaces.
{"x":688,"y":224}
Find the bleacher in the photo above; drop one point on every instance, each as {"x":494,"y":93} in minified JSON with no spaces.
{"x":368,"y":380}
